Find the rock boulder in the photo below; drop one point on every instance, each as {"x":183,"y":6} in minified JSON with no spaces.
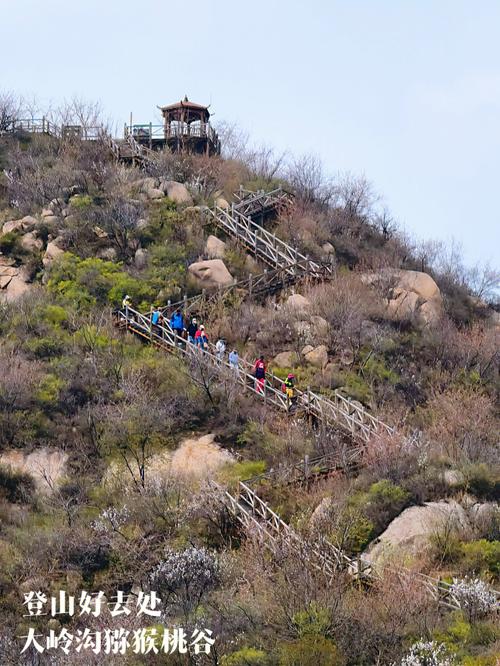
{"x":285,"y":359}
{"x":411,"y":531}
{"x":317,"y":356}
{"x":215,"y":248}
{"x":141,"y":258}
{"x":177,"y":192}
{"x":211,"y":273}
{"x":410,"y":295}
{"x":52,"y":252}
{"x":298,"y":302}
{"x":154,"y":193}
{"x":13,"y":283}
{"x":222,"y":203}
{"x":31,"y":243}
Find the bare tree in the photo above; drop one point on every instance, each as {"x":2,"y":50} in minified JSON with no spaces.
{"x":78,"y":111}
{"x":234,"y":140}
{"x":356,"y":196}
{"x":10,"y":110}
{"x":484,"y":282}
{"x":307,"y":177}
{"x":119,"y":219}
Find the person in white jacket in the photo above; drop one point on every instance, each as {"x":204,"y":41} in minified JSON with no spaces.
{"x":220,"y":349}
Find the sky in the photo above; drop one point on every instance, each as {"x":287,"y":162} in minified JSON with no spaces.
{"x":404,"y":92}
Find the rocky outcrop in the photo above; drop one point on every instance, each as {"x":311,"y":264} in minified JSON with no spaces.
{"x":298,"y":303}
{"x":13,"y":281}
{"x":215,"y":247}
{"x":411,"y":531}
{"x":211,"y":273}
{"x":313,"y":330}
{"x":31,"y":243}
{"x":24,"y":224}
{"x":52,"y":252}
{"x":285,"y":359}
{"x":222,"y":203}
{"x":107,"y":253}
{"x":155,"y":193}
{"x":317,"y":356}
{"x":141,"y":258}
{"x":176,"y":191}
{"x":46,"y":466}
{"x":410,"y":295}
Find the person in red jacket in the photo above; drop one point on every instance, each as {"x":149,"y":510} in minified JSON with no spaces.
{"x":260,"y":374}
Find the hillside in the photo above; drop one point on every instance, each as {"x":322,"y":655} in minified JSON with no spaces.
{"x":367,"y":529}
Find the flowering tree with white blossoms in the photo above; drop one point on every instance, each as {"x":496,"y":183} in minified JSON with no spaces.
{"x":474,"y":596}
{"x":184,"y":577}
{"x":427,"y":653}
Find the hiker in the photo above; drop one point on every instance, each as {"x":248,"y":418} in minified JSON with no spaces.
{"x":191,"y":331}
{"x":201,"y":338}
{"x":234,"y":360}
{"x":126,"y":306}
{"x":291,"y":394}
{"x":220,"y":349}
{"x":155,"y":320}
{"x":177,"y":324}
{"x":260,"y":375}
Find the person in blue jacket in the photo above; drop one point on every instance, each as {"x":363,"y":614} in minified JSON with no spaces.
{"x":177,"y":323}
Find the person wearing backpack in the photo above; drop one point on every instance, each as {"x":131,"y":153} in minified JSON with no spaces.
{"x":260,"y":375}
{"x":291,"y":394}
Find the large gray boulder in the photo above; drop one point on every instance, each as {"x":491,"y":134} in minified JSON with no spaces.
{"x":317,"y":356}
{"x":298,"y":303}
{"x":409,"y":295}
{"x":411,"y":532}
{"x":285,"y":359}
{"x":141,"y":258}
{"x":211,"y":273}
{"x":52,"y":252}
{"x":154,"y":193}
{"x":13,"y":283}
{"x":31,"y":243}
{"x":215,"y":247}
{"x":177,"y":192}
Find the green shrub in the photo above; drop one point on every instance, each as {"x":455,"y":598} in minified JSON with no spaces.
{"x":310,"y":650}
{"x":381,"y":503}
{"x":481,"y":660}
{"x":355,"y":386}
{"x":483,"y":481}
{"x":45,"y":347}
{"x":353,"y":531}
{"x":80,"y":201}
{"x":49,"y":390}
{"x":85,"y":282}
{"x":240,"y":471}
{"x":313,"y":621}
{"x":481,"y":557}
{"x":54,"y":314}
{"x":15,"y":486}
{"x":245,"y":657}
{"x":376,"y":370}
{"x":460,"y":634}
{"x":10,"y":244}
